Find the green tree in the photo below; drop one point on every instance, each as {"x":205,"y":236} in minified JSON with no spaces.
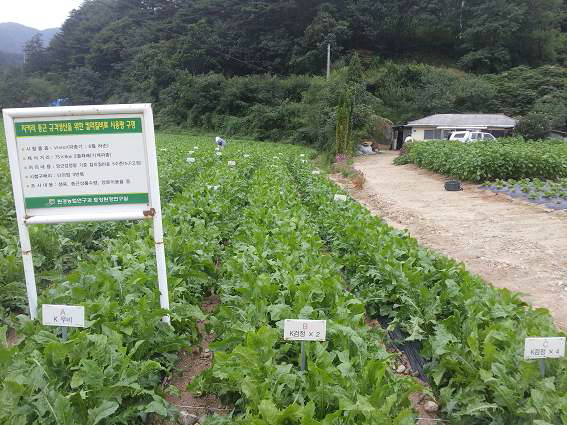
{"x":499,"y":34}
{"x":343,"y":136}
{"x":310,"y":55}
{"x":35,"y":55}
{"x":534,"y":126}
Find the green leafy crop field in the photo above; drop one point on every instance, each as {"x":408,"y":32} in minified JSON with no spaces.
{"x":268,"y":238}
{"x":487,"y":161}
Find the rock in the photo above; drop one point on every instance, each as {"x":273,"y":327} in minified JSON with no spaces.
{"x":186,"y":418}
{"x":431,"y":406}
{"x":401,"y":368}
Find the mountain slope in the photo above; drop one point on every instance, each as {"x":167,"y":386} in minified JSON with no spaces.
{"x":14,"y":36}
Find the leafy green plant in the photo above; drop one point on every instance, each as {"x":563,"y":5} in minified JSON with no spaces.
{"x":503,"y":159}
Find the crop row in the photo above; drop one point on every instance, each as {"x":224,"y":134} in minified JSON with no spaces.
{"x":276,"y":268}
{"x":486,"y":161}
{"x":472,"y":334}
{"x":534,"y":189}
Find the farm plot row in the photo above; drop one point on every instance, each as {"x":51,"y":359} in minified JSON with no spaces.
{"x":550,"y":193}
{"x":472,"y":335}
{"x":276,"y":268}
{"x":110,"y":372}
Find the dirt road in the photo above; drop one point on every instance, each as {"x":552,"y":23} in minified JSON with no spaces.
{"x":509,"y":243}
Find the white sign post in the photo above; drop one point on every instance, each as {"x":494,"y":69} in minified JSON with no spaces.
{"x":304,"y":330}
{"x":544,"y":348}
{"x":84,"y":163}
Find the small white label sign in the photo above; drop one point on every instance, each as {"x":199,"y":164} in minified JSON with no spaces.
{"x":63,"y":315}
{"x":305,"y":330}
{"x":544,"y":348}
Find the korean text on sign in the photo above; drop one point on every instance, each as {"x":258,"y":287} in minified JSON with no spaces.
{"x":305,"y":330}
{"x":542,"y":348}
{"x":63,"y":315}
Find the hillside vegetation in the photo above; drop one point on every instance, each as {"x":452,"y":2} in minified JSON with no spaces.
{"x":233,"y":66}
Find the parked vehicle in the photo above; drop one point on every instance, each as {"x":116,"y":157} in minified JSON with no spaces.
{"x":471,"y":136}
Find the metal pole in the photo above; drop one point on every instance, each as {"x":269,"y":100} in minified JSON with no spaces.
{"x":302,"y":356}
{"x":328,"y":61}
{"x":64,"y":333}
{"x":542,"y":368}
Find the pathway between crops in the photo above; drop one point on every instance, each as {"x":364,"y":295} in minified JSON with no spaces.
{"x":509,"y":243}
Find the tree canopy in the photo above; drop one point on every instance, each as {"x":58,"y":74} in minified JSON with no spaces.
{"x":240,"y":37}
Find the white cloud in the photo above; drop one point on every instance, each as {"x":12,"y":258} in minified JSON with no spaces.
{"x":39,"y":14}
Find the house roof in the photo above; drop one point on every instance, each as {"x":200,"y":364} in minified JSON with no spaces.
{"x":465,"y":120}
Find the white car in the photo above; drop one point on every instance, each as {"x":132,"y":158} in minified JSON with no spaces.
{"x":470,"y":136}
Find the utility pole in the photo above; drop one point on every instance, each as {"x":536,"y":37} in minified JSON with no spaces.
{"x":328,"y":61}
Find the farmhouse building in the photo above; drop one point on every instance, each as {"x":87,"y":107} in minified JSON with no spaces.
{"x":440,"y":126}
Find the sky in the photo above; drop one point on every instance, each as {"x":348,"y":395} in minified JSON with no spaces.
{"x":39,"y":14}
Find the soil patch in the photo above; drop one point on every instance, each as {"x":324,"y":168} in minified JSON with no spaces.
{"x":508,"y":242}
{"x":11,"y":338}
{"x":189,"y":366}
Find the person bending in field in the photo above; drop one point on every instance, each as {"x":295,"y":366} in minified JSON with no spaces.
{"x":220,"y":142}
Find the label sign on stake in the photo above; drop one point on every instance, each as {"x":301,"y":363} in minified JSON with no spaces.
{"x":63,"y":315}
{"x":305,"y":330}
{"x":544,"y":348}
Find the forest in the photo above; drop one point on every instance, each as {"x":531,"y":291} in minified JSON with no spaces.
{"x":254,"y":67}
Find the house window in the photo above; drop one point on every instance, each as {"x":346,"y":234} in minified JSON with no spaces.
{"x":432,"y":134}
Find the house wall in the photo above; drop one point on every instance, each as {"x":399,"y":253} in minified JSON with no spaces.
{"x":417,"y":133}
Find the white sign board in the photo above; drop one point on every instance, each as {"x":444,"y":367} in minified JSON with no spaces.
{"x":544,"y":348}
{"x":77,"y":164}
{"x":83,"y":163}
{"x":63,"y":315}
{"x":305,"y":330}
